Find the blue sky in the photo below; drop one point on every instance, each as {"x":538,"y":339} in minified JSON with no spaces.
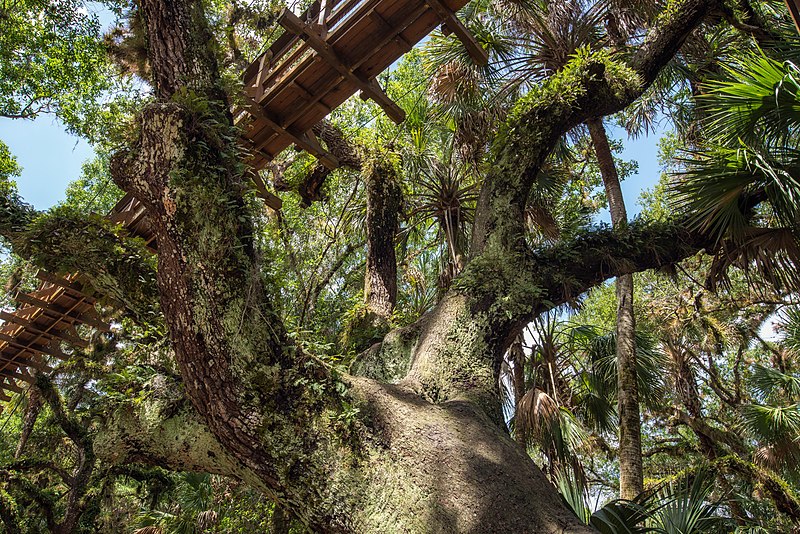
{"x":50,"y":158}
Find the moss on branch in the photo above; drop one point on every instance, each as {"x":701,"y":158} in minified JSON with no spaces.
{"x":64,"y":241}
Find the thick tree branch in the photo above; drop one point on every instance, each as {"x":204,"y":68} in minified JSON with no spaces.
{"x":165,"y":431}
{"x":311,"y":188}
{"x":36,"y":465}
{"x":493,"y":297}
{"x":64,"y":241}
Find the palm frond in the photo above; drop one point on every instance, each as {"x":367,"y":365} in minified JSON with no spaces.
{"x":771,"y":383}
{"x":622,"y":517}
{"x":650,"y":365}
{"x":574,"y":494}
{"x":772,"y":423}
{"x":687,"y":509}
{"x":759,"y":99}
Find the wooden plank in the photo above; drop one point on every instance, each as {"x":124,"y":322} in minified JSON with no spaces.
{"x":57,"y":334}
{"x":474,"y":49}
{"x":291,"y":22}
{"x":326,"y":158}
{"x":30,"y":347}
{"x":10,"y":385}
{"x":270,"y":199}
{"x":387,"y":36}
{"x":58,"y":281}
{"x":65,"y":284}
{"x":12,"y":373}
{"x":17,"y":361}
{"x":52,"y":309}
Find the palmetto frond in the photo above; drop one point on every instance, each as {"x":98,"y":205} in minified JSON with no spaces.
{"x":759,"y":100}
{"x":772,"y":253}
{"x":719,"y":191}
{"x":650,"y":363}
{"x":751,"y":156}
{"x":772,"y":423}
{"x":624,"y":517}
{"x":551,"y":427}
{"x":773,"y":385}
{"x":686,"y":509}
{"x":790,"y":329}
{"x":573,"y":492}
{"x":720,"y":184}
{"x":552,"y":33}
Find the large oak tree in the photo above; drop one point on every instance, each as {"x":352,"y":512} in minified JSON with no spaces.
{"x":425,"y":450}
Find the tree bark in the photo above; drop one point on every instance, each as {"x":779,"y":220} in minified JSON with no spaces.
{"x":348,"y":454}
{"x":29,"y":420}
{"x":631,"y":475}
{"x":384,"y":200}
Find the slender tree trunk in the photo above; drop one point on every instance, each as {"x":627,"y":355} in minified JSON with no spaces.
{"x":517,"y":356}
{"x":384,"y":200}
{"x":631,"y":478}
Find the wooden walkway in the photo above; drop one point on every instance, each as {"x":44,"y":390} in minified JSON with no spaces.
{"x":324,"y":57}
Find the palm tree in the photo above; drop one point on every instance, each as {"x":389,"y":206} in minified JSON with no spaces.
{"x":750,"y":154}
{"x":192,"y":512}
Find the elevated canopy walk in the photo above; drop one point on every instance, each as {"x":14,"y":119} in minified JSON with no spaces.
{"x":326,"y":55}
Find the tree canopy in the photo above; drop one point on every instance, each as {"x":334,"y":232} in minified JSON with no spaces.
{"x":438,"y":335}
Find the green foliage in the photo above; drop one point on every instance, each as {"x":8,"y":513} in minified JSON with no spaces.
{"x":52,"y":60}
{"x":94,"y":191}
{"x":8,"y":164}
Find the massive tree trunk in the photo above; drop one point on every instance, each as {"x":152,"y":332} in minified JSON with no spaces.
{"x":631,"y":476}
{"x":343,"y":453}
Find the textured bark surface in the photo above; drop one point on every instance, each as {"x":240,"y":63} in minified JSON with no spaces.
{"x":631,"y":479}
{"x":631,"y":474}
{"x":348,"y":454}
{"x":384,"y":200}
{"x":32,"y":410}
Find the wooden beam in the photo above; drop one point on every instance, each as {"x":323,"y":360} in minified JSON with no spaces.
{"x":794,"y":11}
{"x":474,"y":49}
{"x":52,"y":309}
{"x":292,"y":23}
{"x":322,"y":21}
{"x":41,"y":349}
{"x":11,"y":373}
{"x":326,"y":158}
{"x":61,"y":282}
{"x":390,"y":33}
{"x":56,"y":335}
{"x":4,"y":397}
{"x":270,"y":199}
{"x":22,"y":361}
{"x":9,"y":384}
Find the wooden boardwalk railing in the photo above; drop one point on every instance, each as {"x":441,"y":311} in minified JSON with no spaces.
{"x":326,"y":55}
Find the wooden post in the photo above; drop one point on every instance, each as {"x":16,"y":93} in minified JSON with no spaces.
{"x":794,"y":11}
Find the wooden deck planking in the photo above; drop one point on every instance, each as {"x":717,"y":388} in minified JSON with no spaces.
{"x":352,"y":38}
